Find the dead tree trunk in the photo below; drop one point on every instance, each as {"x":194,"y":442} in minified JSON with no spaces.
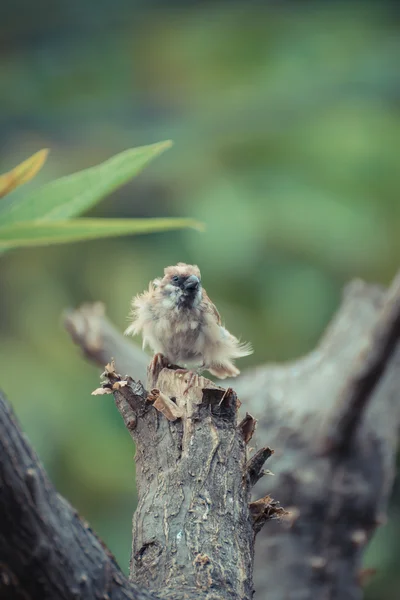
{"x":333,"y":419}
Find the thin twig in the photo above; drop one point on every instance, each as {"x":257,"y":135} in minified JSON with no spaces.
{"x":254,"y":467}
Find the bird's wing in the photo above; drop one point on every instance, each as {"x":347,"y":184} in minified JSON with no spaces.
{"x":210,"y":307}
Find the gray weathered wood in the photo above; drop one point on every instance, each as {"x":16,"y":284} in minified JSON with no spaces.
{"x":337,"y":495}
{"x":100,"y":341}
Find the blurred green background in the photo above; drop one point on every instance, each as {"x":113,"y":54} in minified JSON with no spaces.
{"x":285,"y":118}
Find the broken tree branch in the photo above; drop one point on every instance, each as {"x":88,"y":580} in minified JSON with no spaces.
{"x":264,"y":510}
{"x":371,"y":363}
{"x":100,"y":341}
{"x":193,"y":533}
{"x":336,"y":500}
{"x":254,"y":467}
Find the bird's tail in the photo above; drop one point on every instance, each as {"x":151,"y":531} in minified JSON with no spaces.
{"x":236,"y":348}
{"x":242,"y":349}
{"x":224,"y":370}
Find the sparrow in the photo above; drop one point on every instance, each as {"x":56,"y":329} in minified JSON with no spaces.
{"x":178,"y":320}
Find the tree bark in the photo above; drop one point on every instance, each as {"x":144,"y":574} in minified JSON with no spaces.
{"x":333,"y":419}
{"x":193,"y":532}
{"x":47,"y":552}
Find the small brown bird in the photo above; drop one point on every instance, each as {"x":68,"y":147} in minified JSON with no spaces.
{"x":177,"y":319}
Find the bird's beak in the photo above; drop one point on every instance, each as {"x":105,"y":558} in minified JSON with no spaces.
{"x":192,"y":282}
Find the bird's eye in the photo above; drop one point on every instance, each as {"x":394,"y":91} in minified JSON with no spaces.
{"x":175,"y":279}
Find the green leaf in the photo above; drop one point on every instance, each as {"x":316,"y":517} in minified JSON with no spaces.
{"x":36,"y":233}
{"x":74,"y":194}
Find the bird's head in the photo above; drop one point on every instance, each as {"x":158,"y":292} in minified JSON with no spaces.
{"x":181,"y":285}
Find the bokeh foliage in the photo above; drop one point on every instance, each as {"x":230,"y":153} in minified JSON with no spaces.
{"x":286,"y":124}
